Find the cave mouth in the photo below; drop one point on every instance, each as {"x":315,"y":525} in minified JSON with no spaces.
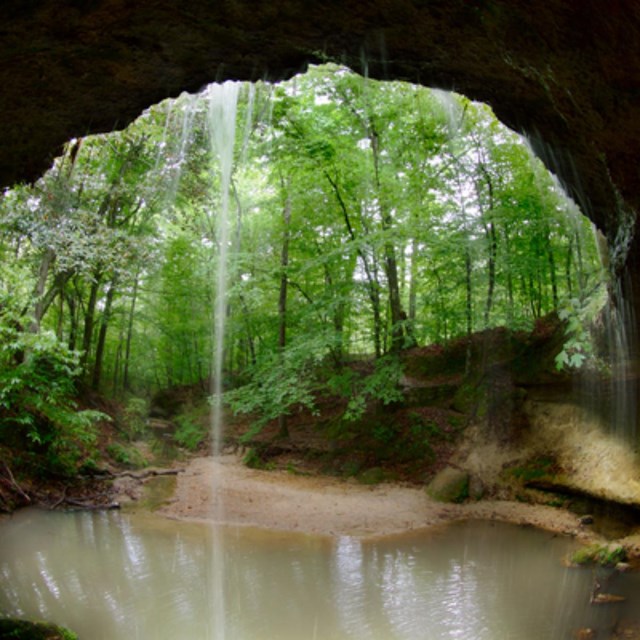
{"x":558,"y":74}
{"x":417,"y":190}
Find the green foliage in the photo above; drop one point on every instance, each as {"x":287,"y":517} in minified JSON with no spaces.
{"x":192,"y":428}
{"x":412,"y":218}
{"x":25,"y":630}
{"x":254,"y":460}
{"x":126,"y":455}
{"x":606,"y":555}
{"x":536,"y":469}
{"x":578,"y":349}
{"x":373,"y":475}
{"x":280,"y":383}
{"x":135,"y":416}
{"x":382,"y":386}
{"x":37,"y":386}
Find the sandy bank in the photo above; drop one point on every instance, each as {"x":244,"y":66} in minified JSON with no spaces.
{"x":328,"y":506}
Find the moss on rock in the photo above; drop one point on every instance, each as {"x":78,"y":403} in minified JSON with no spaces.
{"x":607,"y":555}
{"x":450,"y":485}
{"x":25,"y":630}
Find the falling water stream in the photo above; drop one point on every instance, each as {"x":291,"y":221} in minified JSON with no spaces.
{"x":223,"y":100}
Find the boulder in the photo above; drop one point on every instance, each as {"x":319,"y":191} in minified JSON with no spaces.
{"x":449,"y":485}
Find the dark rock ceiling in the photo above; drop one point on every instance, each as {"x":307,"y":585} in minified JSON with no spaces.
{"x":566,"y":72}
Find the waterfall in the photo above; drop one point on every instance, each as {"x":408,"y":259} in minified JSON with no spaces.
{"x":610,"y":393}
{"x":620,"y":325}
{"x":223,"y":100}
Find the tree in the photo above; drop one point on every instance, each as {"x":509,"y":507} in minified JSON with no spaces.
{"x":366,"y":218}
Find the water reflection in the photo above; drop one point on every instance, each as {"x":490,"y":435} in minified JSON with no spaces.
{"x":113,"y":576}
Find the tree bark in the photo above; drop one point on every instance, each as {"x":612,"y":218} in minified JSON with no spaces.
{"x":282,"y":297}
{"x":89,"y":318}
{"x":126,"y":384}
{"x":102,"y":334}
{"x":41,"y":303}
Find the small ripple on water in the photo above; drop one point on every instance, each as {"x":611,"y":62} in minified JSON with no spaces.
{"x":472,"y":581}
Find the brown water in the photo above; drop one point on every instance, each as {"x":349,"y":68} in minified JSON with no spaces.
{"x":113,"y":576}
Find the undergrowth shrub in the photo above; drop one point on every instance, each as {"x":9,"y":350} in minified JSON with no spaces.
{"x":38,"y":412}
{"x":127,"y":456}
{"x":192,"y":427}
{"x":135,"y":416}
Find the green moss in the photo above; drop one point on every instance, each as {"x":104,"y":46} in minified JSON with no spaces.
{"x":254,"y":460}
{"x":606,"y":555}
{"x":468,"y":399}
{"x":450,"y":485}
{"x":25,"y":630}
{"x":536,"y":469}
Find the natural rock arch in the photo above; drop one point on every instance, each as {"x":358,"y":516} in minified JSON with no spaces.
{"x":564,"y":72}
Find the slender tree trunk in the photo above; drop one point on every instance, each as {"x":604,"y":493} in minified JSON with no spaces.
{"x":397,"y":315}
{"x":60,"y":323}
{"x":282,"y":297}
{"x":582,"y":279}
{"x":492,"y":240}
{"x":374,"y":297}
{"x":486,"y":211}
{"x":568,"y":268}
{"x":441,"y":311}
{"x":126,"y":383}
{"x":535,"y":295}
{"x":468,"y":291}
{"x":39,"y":290}
{"x":117,"y":361}
{"x":102,"y":335}
{"x":249,"y":337}
{"x":552,"y":269}
{"x":413,"y":282}
{"x":337,"y":318}
{"x":89,"y":319}
{"x":373,"y":286}
{"x":507,"y":253}
{"x":73,"y":320}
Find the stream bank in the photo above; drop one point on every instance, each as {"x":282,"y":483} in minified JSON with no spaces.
{"x":323,"y":505}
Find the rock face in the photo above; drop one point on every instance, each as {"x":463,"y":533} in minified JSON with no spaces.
{"x":564,"y":72}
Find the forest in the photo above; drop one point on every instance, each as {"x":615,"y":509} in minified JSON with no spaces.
{"x":364,"y":219}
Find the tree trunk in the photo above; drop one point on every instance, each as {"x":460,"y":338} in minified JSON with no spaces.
{"x":126,"y":383}
{"x":89,"y":318}
{"x":73,"y":320}
{"x":468,"y":291}
{"x":282,"y":298}
{"x":397,"y":315}
{"x":413,"y":283}
{"x":373,"y":286}
{"x":337,"y":319}
{"x":39,"y":290}
{"x":492,"y":240}
{"x":552,"y":268}
{"x":507,"y":253}
{"x":102,"y":335}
